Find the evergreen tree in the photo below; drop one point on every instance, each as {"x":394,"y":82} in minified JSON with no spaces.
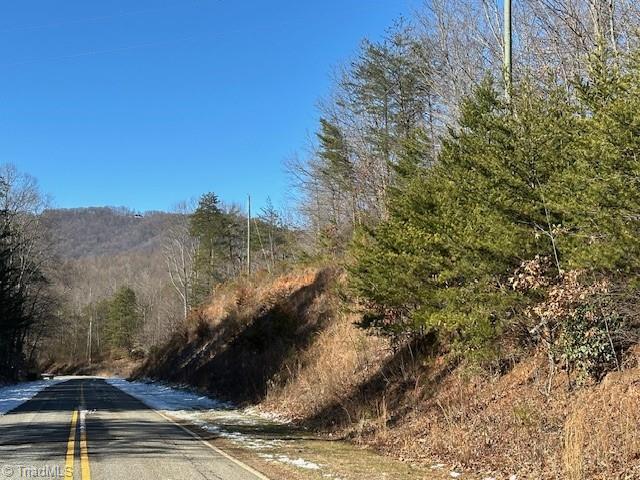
{"x":389,"y":88}
{"x":549,"y":176}
{"x":456,"y":230}
{"x":123,"y":320}
{"x":211,"y":228}
{"x":384,"y":96}
{"x":604,"y":203}
{"x":335,"y":171}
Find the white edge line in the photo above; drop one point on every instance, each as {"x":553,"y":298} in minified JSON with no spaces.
{"x":214,"y":448}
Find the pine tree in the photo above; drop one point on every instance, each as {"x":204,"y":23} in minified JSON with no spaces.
{"x":336,"y":173}
{"x":604,"y":203}
{"x":456,"y":230}
{"x":123,"y":319}
{"x":210,"y":227}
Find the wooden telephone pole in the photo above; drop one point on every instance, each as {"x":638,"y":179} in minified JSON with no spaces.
{"x":508,"y":43}
{"x":90,"y":332}
{"x":249,"y":235}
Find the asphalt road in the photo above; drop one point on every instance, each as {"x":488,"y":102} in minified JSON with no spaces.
{"x":87,"y":429}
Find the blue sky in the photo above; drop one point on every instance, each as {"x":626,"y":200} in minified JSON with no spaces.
{"x":145,"y":103}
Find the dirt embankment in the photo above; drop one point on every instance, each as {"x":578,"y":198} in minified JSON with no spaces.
{"x":289,"y":345}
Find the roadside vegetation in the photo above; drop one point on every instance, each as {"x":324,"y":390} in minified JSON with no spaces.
{"x":458,"y":284}
{"x":27,"y":302}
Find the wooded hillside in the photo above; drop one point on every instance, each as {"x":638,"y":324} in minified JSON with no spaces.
{"x":94,"y":231}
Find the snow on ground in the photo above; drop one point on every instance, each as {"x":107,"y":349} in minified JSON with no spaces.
{"x":163,"y":397}
{"x":12,"y":396}
{"x":210,"y":415}
{"x":298,"y":462}
{"x":274,"y":417}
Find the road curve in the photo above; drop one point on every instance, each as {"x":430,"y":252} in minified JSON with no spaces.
{"x":86,"y":429}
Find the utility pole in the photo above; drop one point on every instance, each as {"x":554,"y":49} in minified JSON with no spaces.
{"x":89,"y":339}
{"x":508,"y":43}
{"x":248,"y":234}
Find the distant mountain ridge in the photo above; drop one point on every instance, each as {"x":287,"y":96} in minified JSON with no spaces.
{"x":98,"y":231}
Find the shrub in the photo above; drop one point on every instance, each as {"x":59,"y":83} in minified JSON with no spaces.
{"x":586,"y":342}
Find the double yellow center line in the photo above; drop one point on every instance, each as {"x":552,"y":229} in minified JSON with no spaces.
{"x":71,"y":446}
{"x":78,"y":414}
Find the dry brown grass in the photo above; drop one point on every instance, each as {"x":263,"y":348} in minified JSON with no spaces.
{"x":574,"y":430}
{"x":503,"y":424}
{"x":602,"y":431}
{"x":507,"y":425}
{"x":242,"y":299}
{"x":340,"y":359}
{"x":244,"y":340}
{"x":410,"y":403}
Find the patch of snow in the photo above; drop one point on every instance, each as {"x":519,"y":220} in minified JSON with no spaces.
{"x":12,"y":396}
{"x":455,"y":474}
{"x":299,"y":462}
{"x":271,"y":416}
{"x":237,"y":437}
{"x":513,"y":477}
{"x":438,"y":466}
{"x":164,"y":397}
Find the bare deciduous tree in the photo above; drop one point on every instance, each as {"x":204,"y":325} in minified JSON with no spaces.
{"x":179,"y":249}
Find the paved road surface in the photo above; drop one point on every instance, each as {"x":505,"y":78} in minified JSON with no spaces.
{"x":86,"y":429}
